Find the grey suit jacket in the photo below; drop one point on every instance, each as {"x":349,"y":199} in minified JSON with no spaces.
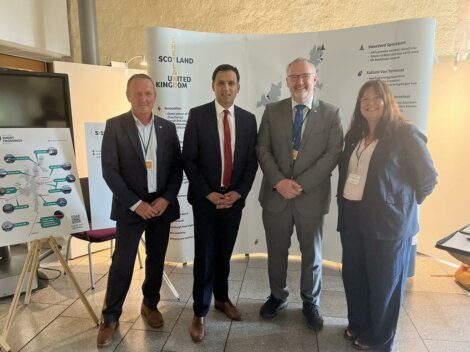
{"x":321,"y":144}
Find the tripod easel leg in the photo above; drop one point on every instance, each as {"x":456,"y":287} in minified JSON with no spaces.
{"x":32,"y":273}
{"x":16,"y":297}
{"x":53,"y":244}
{"x":4,"y":345}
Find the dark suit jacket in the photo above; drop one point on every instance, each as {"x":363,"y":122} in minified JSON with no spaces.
{"x":124,"y":169}
{"x":201,"y":153}
{"x":401,"y":174}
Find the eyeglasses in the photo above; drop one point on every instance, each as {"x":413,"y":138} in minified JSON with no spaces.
{"x":303,"y":77}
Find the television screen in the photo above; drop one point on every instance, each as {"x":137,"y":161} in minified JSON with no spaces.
{"x":31,"y":99}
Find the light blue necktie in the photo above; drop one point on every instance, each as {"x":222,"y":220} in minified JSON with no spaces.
{"x":297,"y":128}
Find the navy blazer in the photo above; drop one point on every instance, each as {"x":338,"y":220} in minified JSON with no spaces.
{"x":124,"y":169}
{"x":401,"y":174}
{"x":202,"y":156}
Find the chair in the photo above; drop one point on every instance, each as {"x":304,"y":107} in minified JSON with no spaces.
{"x":93,"y":236}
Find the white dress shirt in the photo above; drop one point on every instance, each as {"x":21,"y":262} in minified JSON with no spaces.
{"x":147,"y":134}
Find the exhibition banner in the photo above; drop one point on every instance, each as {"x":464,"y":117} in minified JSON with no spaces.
{"x":99,"y":192}
{"x":40,"y":191}
{"x":181,"y":64}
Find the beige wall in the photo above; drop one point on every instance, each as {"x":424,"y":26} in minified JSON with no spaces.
{"x":121,"y":24}
{"x":448,"y":133}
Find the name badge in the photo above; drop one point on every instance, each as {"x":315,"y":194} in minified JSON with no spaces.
{"x":353,"y":179}
{"x":294,"y":154}
{"x":149,"y":165}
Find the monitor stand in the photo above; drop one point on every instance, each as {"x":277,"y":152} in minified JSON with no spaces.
{"x":10,"y":271}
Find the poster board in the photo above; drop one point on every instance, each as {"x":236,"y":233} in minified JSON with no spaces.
{"x":40,"y":193}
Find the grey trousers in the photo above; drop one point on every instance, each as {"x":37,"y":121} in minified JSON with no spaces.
{"x":279,"y":228}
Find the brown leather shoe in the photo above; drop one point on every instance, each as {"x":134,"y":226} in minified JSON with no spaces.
{"x":197,"y":329}
{"x":152,"y":315}
{"x":106,"y":333}
{"x":229,"y":309}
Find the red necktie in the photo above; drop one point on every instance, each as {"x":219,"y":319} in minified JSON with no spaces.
{"x":227,"y":152}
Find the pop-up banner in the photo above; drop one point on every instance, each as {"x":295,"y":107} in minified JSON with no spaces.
{"x":181,"y":64}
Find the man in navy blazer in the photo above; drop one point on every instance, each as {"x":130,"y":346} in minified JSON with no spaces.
{"x":141,"y":162}
{"x":219,"y":159}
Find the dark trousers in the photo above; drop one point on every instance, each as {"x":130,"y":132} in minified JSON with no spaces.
{"x":374,"y":276}
{"x":215,"y":233}
{"x":122,"y":266}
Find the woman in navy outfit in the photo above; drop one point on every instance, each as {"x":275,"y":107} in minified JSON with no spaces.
{"x":385,"y":171}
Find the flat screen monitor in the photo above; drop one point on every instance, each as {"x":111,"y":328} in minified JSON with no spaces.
{"x":34,"y":99}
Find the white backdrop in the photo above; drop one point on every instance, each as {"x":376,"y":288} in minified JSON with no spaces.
{"x":182,"y":62}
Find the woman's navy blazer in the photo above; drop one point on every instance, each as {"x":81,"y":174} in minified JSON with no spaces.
{"x":401,"y":174}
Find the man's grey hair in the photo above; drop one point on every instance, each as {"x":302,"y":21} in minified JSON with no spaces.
{"x":301,"y":60}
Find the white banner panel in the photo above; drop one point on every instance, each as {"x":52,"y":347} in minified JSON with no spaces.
{"x":100,"y":195}
{"x":40,"y":191}
{"x":181,"y":64}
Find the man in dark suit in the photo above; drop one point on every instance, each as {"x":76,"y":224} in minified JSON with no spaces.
{"x":141,"y":161}
{"x":219,"y":159}
{"x":299,"y":142}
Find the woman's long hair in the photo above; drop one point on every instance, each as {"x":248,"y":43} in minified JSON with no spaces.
{"x":388,"y":124}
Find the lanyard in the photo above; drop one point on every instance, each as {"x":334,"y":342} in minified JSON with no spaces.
{"x":148,"y":140}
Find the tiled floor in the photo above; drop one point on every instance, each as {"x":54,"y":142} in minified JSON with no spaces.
{"x":435,"y":314}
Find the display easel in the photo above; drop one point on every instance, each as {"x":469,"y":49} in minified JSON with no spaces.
{"x":31,"y":264}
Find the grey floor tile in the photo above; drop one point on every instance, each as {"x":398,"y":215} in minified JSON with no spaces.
{"x":405,"y":328}
{"x":286,"y":332}
{"x":71,"y":334}
{"x":131,"y":307}
{"x":237,"y":271}
{"x":170,"y":310}
{"x":217,"y":327}
{"x":439,"y":316}
{"x":62,"y":290}
{"x":446,"y":346}
{"x":431,"y":277}
{"x":333,"y":304}
{"x":142,"y":340}
{"x":332,"y":283}
{"x":183,"y":284}
{"x":409,"y":345}
{"x":256,"y":283}
{"x":331,"y":337}
{"x":28,"y":321}
{"x":434,"y":311}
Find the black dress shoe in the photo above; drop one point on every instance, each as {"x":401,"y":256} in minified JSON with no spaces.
{"x":314,"y":319}
{"x":272,"y":306}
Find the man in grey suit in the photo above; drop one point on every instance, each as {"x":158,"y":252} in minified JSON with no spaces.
{"x":299,"y":142}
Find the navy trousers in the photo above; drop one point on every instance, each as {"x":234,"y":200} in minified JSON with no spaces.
{"x":122,"y":266}
{"x":374,"y":276}
{"x":215,"y":233}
